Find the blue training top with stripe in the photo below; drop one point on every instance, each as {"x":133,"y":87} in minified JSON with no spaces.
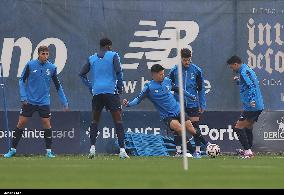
{"x":161,"y":96}
{"x":249,"y":89}
{"x":193,"y":83}
{"x":35,"y":83}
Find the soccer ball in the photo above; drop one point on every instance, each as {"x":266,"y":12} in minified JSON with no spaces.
{"x":213,"y":150}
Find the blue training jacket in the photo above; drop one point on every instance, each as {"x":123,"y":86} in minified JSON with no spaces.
{"x":35,"y":83}
{"x":249,"y":89}
{"x":161,"y":96}
{"x":106,"y":73}
{"x":193,"y":82}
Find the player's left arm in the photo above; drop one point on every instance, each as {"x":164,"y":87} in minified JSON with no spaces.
{"x":200,"y":86}
{"x":59,"y":89}
{"x":118,"y":71}
{"x":247,"y":77}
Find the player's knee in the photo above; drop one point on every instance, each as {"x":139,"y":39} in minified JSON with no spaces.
{"x":21,"y":123}
{"x":118,"y":121}
{"x":176,"y":127}
{"x":46,"y":125}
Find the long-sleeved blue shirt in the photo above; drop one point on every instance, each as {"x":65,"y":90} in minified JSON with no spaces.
{"x":35,"y":83}
{"x":106,"y":73}
{"x":249,"y":89}
{"x":161,"y":96}
{"x":193,"y":82}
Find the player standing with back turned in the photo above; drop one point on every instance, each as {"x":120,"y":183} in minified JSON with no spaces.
{"x":105,"y":86}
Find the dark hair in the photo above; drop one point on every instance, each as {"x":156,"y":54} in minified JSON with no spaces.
{"x":105,"y":42}
{"x":185,"y":53}
{"x":234,"y":59}
{"x":42,"y":48}
{"x":157,"y":68}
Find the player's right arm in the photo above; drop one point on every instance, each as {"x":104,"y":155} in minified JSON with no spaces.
{"x":138,"y":99}
{"x":83,"y":75}
{"x":24,"y":76}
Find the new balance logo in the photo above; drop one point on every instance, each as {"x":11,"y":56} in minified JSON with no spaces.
{"x":160,"y":48}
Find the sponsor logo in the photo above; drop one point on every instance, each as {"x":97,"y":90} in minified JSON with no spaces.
{"x":26,"y":46}
{"x":275,"y":135}
{"x":269,"y":59}
{"x":110,"y":132}
{"x":34,"y":133}
{"x":219,"y":134}
{"x":159,"y":47}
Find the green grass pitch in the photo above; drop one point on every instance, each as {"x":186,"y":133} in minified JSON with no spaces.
{"x":108,"y":171}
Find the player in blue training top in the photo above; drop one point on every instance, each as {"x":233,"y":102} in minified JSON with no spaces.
{"x":251,"y":98}
{"x":35,"y":96}
{"x":105,"y":86}
{"x":158,"y":91}
{"x":193,"y":82}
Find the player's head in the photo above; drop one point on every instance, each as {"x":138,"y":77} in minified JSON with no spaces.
{"x":185,"y":57}
{"x":106,"y":43}
{"x":43,"y":53}
{"x":234,"y":63}
{"x":158,"y":73}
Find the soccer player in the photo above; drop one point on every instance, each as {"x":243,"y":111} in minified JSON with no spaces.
{"x":35,"y":96}
{"x":158,"y":91}
{"x":193,"y":82}
{"x":105,"y":86}
{"x":251,"y":98}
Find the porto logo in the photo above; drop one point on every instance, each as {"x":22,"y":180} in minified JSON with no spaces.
{"x":158,"y":48}
{"x":47,"y":72}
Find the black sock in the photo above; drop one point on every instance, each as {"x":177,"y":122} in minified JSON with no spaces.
{"x":201,"y":138}
{"x":177,"y":139}
{"x":196,"y":138}
{"x":250,"y":137}
{"x":242,"y":137}
{"x":190,"y":148}
{"x":120,"y":134}
{"x":93,"y":133}
{"x":48,"y":138}
{"x":17,"y":136}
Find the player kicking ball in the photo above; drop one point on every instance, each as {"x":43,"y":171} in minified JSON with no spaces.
{"x":158,"y":91}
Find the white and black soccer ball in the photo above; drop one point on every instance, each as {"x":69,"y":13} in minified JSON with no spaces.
{"x":213,"y":150}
